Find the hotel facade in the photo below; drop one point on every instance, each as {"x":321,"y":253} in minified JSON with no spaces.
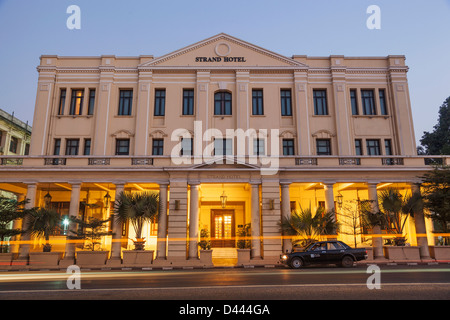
{"x":228,"y":134}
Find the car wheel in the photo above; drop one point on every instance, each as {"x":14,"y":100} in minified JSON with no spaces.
{"x":296,"y":263}
{"x":347,"y":262}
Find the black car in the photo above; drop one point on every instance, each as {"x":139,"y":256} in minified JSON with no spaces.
{"x":324,"y":252}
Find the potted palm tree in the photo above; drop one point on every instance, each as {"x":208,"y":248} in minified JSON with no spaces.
{"x":396,"y":210}
{"x":10,"y":210}
{"x":137,"y":208}
{"x":306,"y":226}
{"x":42,"y":224}
{"x":91,"y":231}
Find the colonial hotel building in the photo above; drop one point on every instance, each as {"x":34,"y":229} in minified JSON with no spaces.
{"x":319,"y":131}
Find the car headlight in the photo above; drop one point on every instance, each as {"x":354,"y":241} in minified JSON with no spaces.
{"x":284,"y":257}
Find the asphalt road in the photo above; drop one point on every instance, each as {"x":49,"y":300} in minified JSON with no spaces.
{"x":390,"y":283}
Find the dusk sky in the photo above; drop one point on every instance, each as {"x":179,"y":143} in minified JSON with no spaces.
{"x":420,"y":30}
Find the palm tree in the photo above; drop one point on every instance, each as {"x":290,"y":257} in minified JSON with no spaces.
{"x":138,"y":208}
{"x":396,"y":209}
{"x":307,"y":227}
{"x":10,"y":210}
{"x":42,"y":224}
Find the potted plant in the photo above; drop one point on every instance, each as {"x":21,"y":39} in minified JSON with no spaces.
{"x":205,"y":248}
{"x":43,"y":223}
{"x":244,"y":245}
{"x":395,"y":210}
{"x":91,"y":231}
{"x":137,"y":208}
{"x":10,"y":210}
{"x":306,"y":226}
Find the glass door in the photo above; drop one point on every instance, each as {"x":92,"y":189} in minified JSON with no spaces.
{"x":223,"y":229}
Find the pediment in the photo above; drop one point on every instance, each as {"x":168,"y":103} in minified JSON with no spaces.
{"x":223,"y":51}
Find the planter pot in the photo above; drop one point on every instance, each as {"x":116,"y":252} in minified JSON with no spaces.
{"x":440,"y":252}
{"x":6,"y":259}
{"x":91,"y":258}
{"x":369,"y":253}
{"x":401,"y":253}
{"x":206,"y":258}
{"x":243,"y":256}
{"x":137,"y":257}
{"x":45,"y":259}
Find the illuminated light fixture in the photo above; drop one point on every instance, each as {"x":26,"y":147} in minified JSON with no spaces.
{"x":223,"y":198}
{"x":107,"y":199}
{"x":47,"y":198}
{"x":340,"y":198}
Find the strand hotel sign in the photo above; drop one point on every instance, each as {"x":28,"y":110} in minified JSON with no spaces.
{"x":222,"y":51}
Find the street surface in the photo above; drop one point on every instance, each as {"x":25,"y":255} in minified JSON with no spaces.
{"x":395,"y":282}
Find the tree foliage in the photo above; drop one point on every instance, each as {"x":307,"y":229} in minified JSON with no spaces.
{"x":437,"y":142}
{"x":436,"y":197}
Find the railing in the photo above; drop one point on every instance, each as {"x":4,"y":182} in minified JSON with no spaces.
{"x":166,"y":161}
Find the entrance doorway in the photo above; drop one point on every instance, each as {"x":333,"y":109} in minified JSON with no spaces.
{"x":223,"y":228}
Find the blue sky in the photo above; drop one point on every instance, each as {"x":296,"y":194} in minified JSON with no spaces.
{"x":420,"y":30}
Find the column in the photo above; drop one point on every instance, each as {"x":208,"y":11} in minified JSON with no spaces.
{"x":25,"y":246}
{"x":286,"y":214}
{"x":177,"y":220}
{"x":329,"y":197}
{"x":421,"y":230}
{"x":377,"y":240}
{"x":193,"y":221}
{"x":74,"y":209}
{"x":256,"y":222}
{"x":117,"y":228}
{"x":162,"y":223}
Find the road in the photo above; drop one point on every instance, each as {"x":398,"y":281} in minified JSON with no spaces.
{"x":225,"y":290}
{"x":395,"y":282}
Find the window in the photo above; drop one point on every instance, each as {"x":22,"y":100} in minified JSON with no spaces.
{"x":320,"y":102}
{"x":87,"y":147}
{"x":186,"y":147}
{"x":286,"y":102}
{"x":125,"y":102}
{"x":323,"y":147}
{"x":160,"y":102}
{"x":383,"y":107}
{"x":257,"y":102}
{"x":76,"y":104}
{"x":358,"y":147}
{"x":288,"y":147}
{"x":72,"y":146}
{"x":354,"y":102}
{"x":62,"y":102}
{"x":223,"y":147}
{"x":222,"y":103}
{"x":368,"y":103}
{"x":27,"y":149}
{"x":122,"y":147}
{"x":158,"y":147}
{"x":57,"y":147}
{"x":388,"y":147}
{"x":188,"y":102}
{"x":13,"y":144}
{"x":259,"y":147}
{"x":373,"y":147}
{"x":91,"y":102}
